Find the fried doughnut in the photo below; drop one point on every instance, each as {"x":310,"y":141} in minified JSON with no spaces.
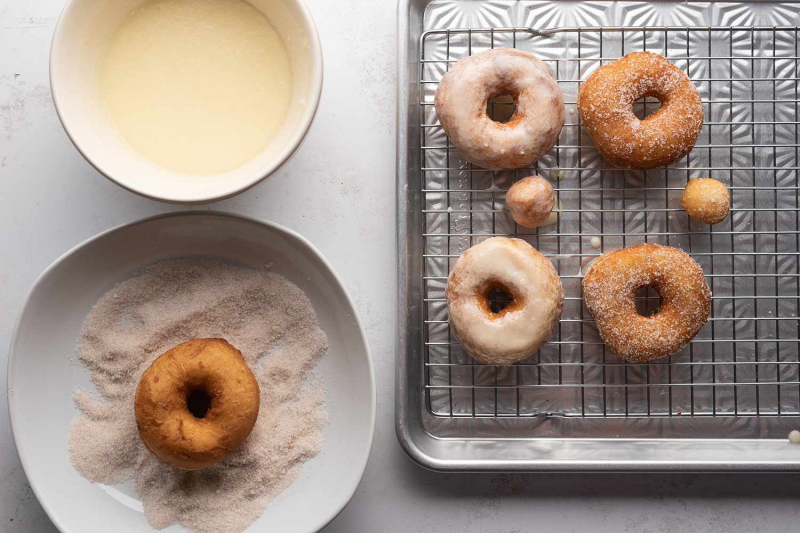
{"x":467,"y":88}
{"x":706,"y":200}
{"x":605,"y":106}
{"x":196,"y":403}
{"x":609,"y":288}
{"x":524,"y":325}
{"x":530,"y":201}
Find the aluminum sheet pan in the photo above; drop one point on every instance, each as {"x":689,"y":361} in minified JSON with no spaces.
{"x":726,"y":402}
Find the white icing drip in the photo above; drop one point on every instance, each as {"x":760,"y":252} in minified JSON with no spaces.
{"x":552,"y":219}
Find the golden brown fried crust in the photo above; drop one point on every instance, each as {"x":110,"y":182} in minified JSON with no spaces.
{"x":605,"y":105}
{"x":706,"y":200}
{"x":166,"y":425}
{"x":610,"y":286}
{"x":530,"y":201}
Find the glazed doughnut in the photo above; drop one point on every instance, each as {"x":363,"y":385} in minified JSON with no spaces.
{"x":706,"y":200}
{"x":609,"y":288}
{"x":467,"y":88}
{"x":196,"y":403}
{"x":525,"y":324}
{"x":530,"y":201}
{"x":605,"y":106}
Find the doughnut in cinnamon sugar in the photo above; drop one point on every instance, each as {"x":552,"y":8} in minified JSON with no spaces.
{"x":196,"y":403}
{"x":605,"y":106}
{"x":609,"y":289}
{"x":524,"y":325}
{"x":467,"y":88}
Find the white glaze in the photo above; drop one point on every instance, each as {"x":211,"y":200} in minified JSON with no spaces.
{"x":531,"y":201}
{"x":464,"y":91}
{"x":197,"y":87}
{"x":794,"y":436}
{"x":506,"y":338}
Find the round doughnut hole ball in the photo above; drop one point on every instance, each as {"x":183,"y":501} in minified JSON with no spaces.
{"x":530,"y":201}
{"x":706,"y":200}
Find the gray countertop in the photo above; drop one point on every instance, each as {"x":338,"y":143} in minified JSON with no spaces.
{"x":338,"y":190}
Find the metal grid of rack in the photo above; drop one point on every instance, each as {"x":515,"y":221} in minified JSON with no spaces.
{"x":744,"y":362}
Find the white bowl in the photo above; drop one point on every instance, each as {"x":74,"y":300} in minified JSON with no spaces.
{"x":41,"y":379}
{"x":84,"y":28}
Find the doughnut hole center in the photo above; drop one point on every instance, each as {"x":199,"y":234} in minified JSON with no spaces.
{"x":648,"y":301}
{"x":501,"y":108}
{"x":198,"y":402}
{"x":499,"y":299}
{"x":646,"y":106}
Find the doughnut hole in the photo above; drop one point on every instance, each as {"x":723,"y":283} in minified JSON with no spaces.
{"x":501,"y":108}
{"x":706,"y":200}
{"x":530,"y":201}
{"x":499,"y":300}
{"x":198,"y":402}
{"x":648,"y":300}
{"x":646,"y":106}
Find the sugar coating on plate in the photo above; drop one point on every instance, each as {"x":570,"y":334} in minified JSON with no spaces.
{"x":530,"y":201}
{"x":706,"y":200}
{"x":605,"y":106}
{"x":466,"y":89}
{"x":515,"y":332}
{"x":265,"y":316}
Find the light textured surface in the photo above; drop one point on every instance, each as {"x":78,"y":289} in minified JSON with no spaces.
{"x":338,"y":190}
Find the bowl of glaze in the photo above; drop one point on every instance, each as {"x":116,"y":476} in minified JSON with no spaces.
{"x":82,"y":36}
{"x":41,"y":378}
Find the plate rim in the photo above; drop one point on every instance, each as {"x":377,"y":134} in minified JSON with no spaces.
{"x":22,"y":454}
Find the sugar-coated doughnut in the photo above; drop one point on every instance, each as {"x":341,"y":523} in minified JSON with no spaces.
{"x":467,"y":88}
{"x":609,"y":289}
{"x":196,"y":403}
{"x":706,"y":200}
{"x":605,"y":106}
{"x":530,"y":201}
{"x":524,"y":325}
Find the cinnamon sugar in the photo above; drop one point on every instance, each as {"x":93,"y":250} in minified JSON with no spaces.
{"x":269,"y":320}
{"x":605,"y":105}
{"x":610,"y":285}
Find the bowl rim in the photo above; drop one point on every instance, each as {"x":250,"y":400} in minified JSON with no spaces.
{"x":25,"y":460}
{"x":304,"y":125}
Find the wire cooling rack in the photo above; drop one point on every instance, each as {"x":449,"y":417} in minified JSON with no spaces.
{"x":744,"y":362}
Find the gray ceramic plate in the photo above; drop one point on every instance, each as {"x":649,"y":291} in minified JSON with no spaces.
{"x":41,"y":379}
